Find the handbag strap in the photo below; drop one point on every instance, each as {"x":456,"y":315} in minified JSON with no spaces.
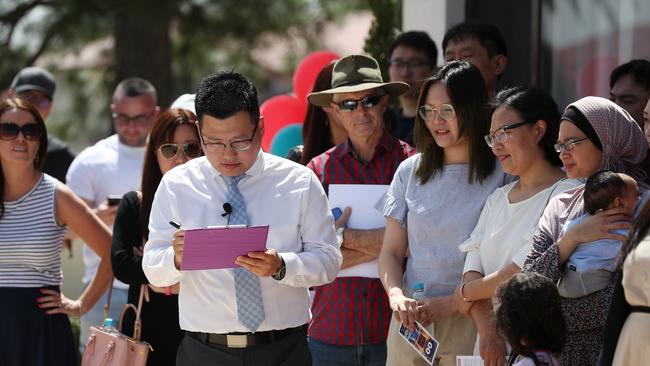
{"x":137,"y":325}
{"x":107,"y":306}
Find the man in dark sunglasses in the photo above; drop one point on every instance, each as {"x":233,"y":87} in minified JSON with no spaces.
{"x":371,"y":155}
{"x":36,"y":85}
{"x":112,"y":167}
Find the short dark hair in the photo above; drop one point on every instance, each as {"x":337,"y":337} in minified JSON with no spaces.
{"x":639,"y":69}
{"x":529,"y":310}
{"x":466,"y":89}
{"x":600,"y":190}
{"x":534,"y":104}
{"x":223,"y":94}
{"x":419,"y":41}
{"x":488,"y":35}
{"x":134,"y":87}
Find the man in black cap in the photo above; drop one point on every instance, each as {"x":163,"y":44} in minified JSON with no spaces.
{"x":36,"y":85}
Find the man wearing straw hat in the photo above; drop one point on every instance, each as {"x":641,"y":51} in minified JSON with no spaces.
{"x":351,"y":315}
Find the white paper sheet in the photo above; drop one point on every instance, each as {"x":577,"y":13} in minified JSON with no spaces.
{"x":361,"y":198}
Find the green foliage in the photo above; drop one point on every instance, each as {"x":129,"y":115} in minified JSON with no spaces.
{"x":198,"y":37}
{"x":384,"y":29}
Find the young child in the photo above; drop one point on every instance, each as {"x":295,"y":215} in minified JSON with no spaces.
{"x":530,"y":318}
{"x":591,"y":265}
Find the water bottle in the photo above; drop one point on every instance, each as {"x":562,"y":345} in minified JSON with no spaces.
{"x":109,"y":326}
{"x":418,"y":291}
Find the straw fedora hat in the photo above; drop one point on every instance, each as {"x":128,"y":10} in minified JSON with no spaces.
{"x":353,"y":74}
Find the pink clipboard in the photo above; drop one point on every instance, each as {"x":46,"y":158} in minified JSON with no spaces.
{"x":217,"y":248}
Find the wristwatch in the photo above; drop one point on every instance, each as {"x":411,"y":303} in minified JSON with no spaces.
{"x":339,"y":235}
{"x":281,"y":272}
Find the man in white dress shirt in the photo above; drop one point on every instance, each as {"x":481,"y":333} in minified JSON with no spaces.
{"x":256,"y":314}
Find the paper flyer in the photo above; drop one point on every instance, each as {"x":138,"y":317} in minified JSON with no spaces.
{"x":421,"y":341}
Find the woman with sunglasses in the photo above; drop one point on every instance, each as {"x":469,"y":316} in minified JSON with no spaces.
{"x":35,"y":212}
{"x":433,"y":204}
{"x":524,"y":129}
{"x":595,"y":134}
{"x":173,"y":141}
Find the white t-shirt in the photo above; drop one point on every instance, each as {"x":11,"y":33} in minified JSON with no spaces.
{"x":504,"y":231}
{"x":106,"y":168}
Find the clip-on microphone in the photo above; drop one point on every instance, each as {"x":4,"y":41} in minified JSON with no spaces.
{"x":227,"y":207}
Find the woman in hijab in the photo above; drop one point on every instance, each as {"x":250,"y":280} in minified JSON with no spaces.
{"x":595,"y":134}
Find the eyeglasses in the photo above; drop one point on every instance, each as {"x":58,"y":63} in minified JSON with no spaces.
{"x":569,"y":145}
{"x":35,"y":99}
{"x":239,"y":145}
{"x":170,"y":151}
{"x":445,"y":111}
{"x":9,"y":131}
{"x":123,"y":119}
{"x":500,"y":136}
{"x":349,"y":105}
{"x":409,"y":64}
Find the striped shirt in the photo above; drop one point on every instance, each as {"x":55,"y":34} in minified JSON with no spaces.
{"x":354,"y":310}
{"x":31,"y":240}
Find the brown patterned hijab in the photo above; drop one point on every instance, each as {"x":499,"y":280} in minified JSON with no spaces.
{"x":624,"y":144}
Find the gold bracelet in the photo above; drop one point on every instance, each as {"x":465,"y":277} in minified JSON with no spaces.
{"x":462,"y":286}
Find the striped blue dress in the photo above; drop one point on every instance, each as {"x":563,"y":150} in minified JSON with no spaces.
{"x":30,"y":259}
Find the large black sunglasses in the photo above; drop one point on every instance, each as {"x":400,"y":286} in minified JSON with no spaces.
{"x":170,"y":151}
{"x":10,"y":131}
{"x":349,"y":105}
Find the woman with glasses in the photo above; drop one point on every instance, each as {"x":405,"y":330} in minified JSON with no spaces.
{"x":595,"y":134}
{"x":524,"y":129}
{"x":173,"y":141}
{"x":433,"y":204}
{"x":35,"y":213}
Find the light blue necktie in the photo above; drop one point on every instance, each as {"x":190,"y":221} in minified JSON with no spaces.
{"x":250,"y":309}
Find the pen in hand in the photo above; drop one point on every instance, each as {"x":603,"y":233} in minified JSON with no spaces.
{"x":175,"y":224}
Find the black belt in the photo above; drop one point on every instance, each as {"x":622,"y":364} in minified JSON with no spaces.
{"x":641,"y":309}
{"x":244,"y":340}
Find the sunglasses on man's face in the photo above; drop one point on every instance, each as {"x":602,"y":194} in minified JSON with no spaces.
{"x":170,"y":151}
{"x":9,"y":131}
{"x":349,"y":105}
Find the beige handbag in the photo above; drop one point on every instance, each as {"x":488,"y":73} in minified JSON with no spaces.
{"x":117,"y":349}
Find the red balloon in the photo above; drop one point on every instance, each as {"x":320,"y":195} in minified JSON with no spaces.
{"x":279,"y":111}
{"x":307,"y":70}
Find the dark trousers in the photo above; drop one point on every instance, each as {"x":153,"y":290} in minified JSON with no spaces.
{"x":291,"y":350}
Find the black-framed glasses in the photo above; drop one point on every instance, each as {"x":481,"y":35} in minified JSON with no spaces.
{"x":239,"y":145}
{"x":409,"y":64}
{"x":569,"y":145}
{"x":349,"y":105}
{"x":445,"y":111}
{"x":10,"y":130}
{"x":123,"y":119}
{"x":170,"y":151}
{"x":500,"y":136}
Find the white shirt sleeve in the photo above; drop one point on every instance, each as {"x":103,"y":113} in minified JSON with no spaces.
{"x":473,"y":244}
{"x":320,"y":259}
{"x":80,"y":177}
{"x":158,"y":260}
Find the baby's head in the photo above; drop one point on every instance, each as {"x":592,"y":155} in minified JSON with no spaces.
{"x":606,"y":189}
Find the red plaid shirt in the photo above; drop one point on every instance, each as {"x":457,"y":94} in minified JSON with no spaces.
{"x":354,"y":310}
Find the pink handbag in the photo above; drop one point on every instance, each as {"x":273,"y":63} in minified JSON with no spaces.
{"x":111,"y":349}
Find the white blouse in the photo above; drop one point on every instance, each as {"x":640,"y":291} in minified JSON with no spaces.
{"x":504,"y":231}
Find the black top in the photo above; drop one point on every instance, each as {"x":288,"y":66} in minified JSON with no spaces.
{"x":402,"y":127}
{"x":619,"y":309}
{"x":159,"y":316}
{"x":58,"y":158}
